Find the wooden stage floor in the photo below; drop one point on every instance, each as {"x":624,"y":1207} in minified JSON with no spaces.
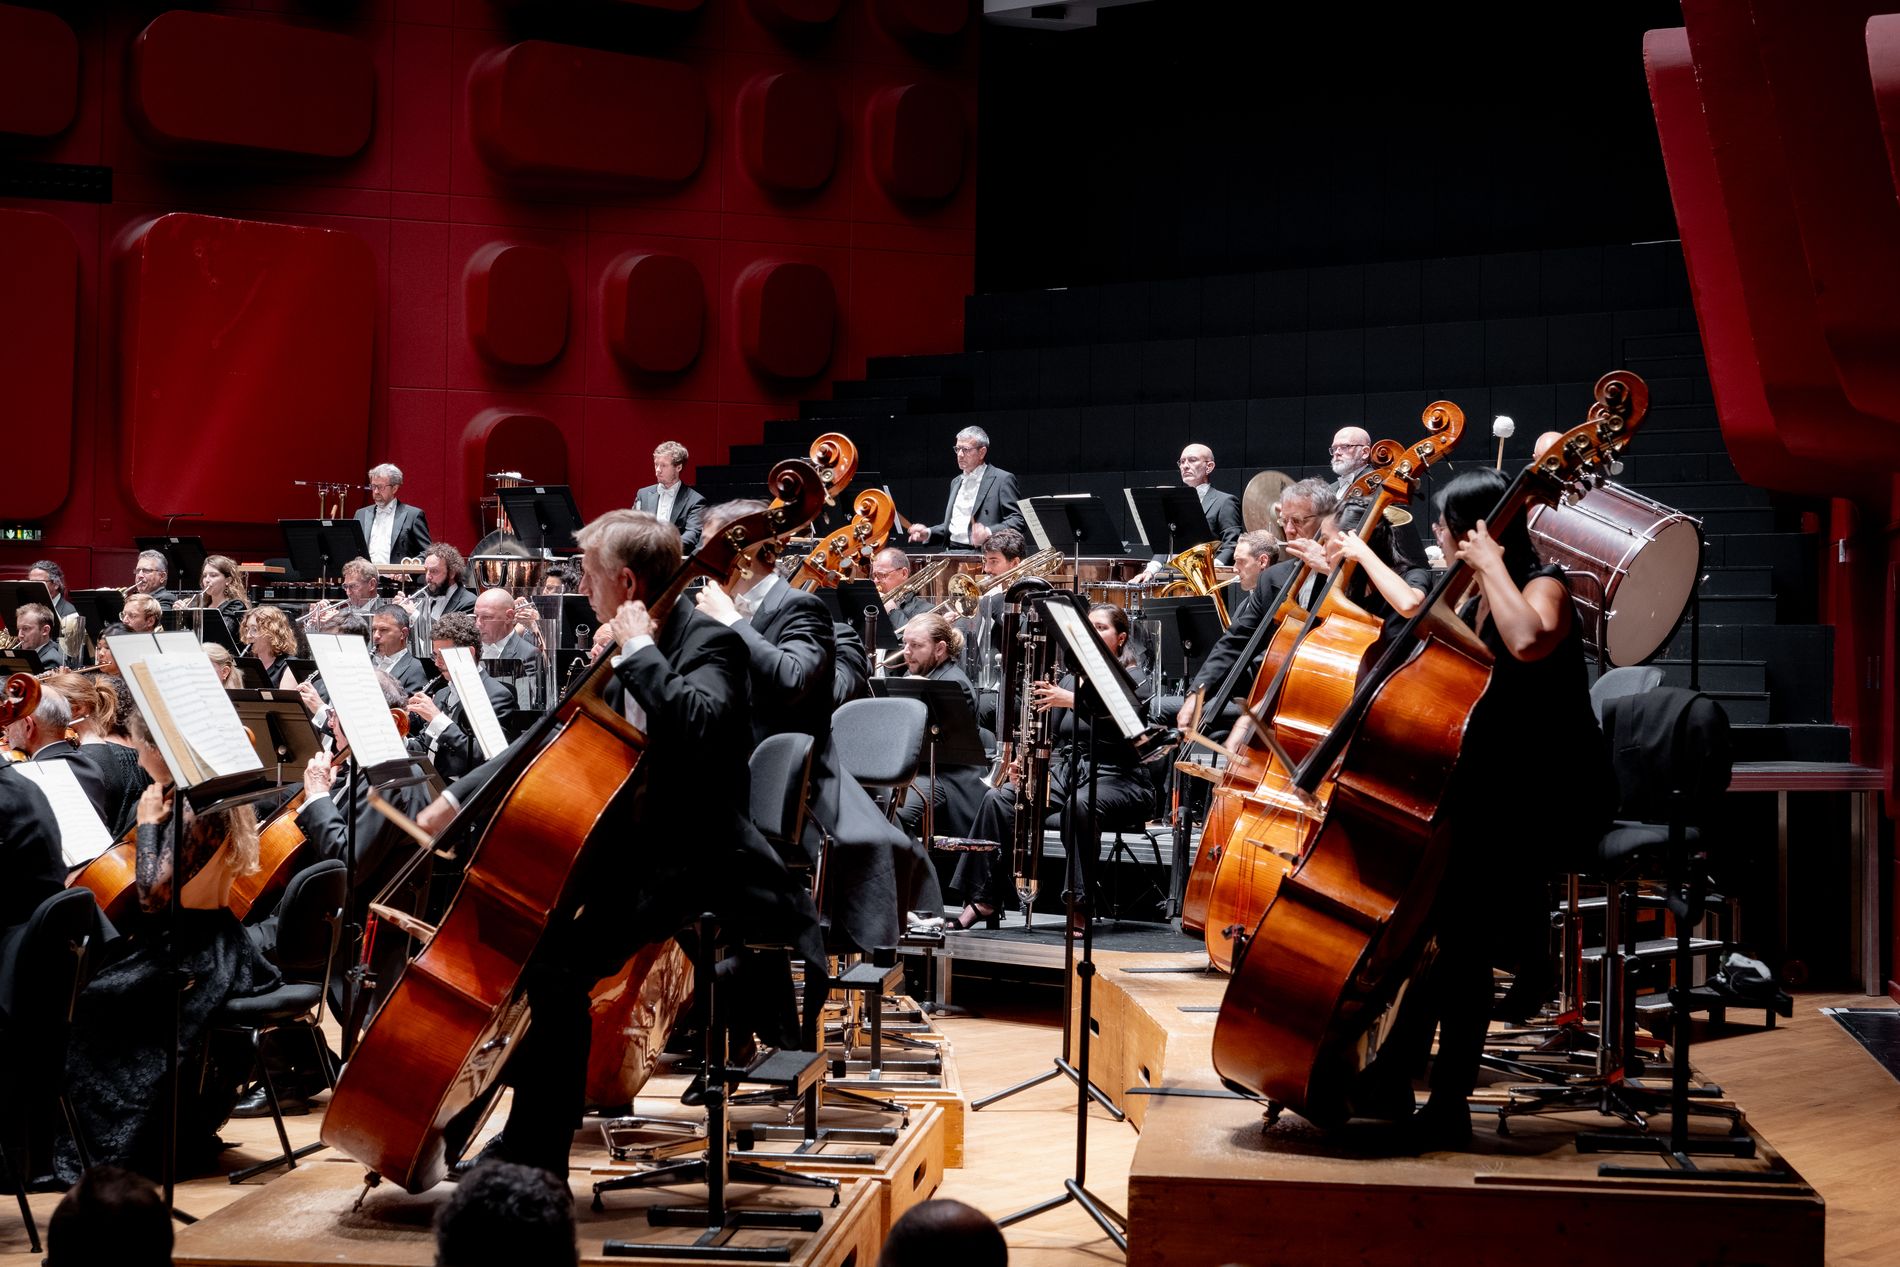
{"x":1808,"y":1087}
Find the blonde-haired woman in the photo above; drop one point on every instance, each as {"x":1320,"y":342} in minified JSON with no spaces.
{"x":94,"y":703}
{"x":271,"y":639}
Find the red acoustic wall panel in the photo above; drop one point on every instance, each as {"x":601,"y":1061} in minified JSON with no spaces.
{"x":654,"y":158}
{"x":203,"y":81}
{"x":39,"y":72}
{"x":517,"y":304}
{"x":240,"y":338}
{"x":556,"y":110}
{"x":788,"y":130}
{"x":787,"y":313}
{"x":38,"y":350}
{"x":918,"y":139}
{"x":655,"y":311}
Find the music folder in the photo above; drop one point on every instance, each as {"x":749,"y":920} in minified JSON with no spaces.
{"x":853,"y":599}
{"x":952,"y":729}
{"x":12,"y":662}
{"x":1189,"y":629}
{"x":97,"y":607}
{"x":1074,"y":523}
{"x":184,"y":555}
{"x":279,"y":728}
{"x":1109,"y":689}
{"x":17,"y":594}
{"x":206,"y":624}
{"x":318,"y":548}
{"x":464,"y":675}
{"x":193,"y":722}
{"x":545,"y":517}
{"x":1169,"y":518}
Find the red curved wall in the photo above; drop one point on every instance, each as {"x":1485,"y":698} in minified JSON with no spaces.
{"x":345,"y":237}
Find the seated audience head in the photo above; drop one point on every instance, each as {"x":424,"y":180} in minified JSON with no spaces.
{"x":110,"y":1218}
{"x":944,"y":1233}
{"x":1003,"y":551}
{"x":442,"y":566}
{"x":149,"y":573}
{"x":929,"y":640}
{"x":626,"y":556}
{"x":141,"y":613}
{"x":504,"y":1215}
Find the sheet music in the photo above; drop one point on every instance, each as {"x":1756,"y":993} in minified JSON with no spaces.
{"x":1038,"y":533}
{"x":1134,"y":517}
{"x":82,"y":833}
{"x":460,"y":663}
{"x":195,"y":708}
{"x":129,"y":648}
{"x":356,"y":697}
{"x":1109,"y":681}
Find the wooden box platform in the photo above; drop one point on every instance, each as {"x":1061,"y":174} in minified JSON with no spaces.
{"x":305,"y":1218}
{"x":949,"y":1097}
{"x":904,"y":1173}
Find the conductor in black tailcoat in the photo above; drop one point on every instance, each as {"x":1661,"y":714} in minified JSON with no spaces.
{"x":674,"y":842}
{"x":394,"y":529}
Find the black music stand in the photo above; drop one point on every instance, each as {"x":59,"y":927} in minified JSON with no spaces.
{"x":318,"y":548}
{"x":255,"y":676}
{"x":545,"y":517}
{"x":280,"y":729}
{"x":98,"y":608}
{"x":17,"y":594}
{"x":1189,"y":629}
{"x":854,"y":599}
{"x":1071,"y":522}
{"x":1169,"y":518}
{"x":185,"y":556}
{"x":11,"y":664}
{"x":206,"y":622}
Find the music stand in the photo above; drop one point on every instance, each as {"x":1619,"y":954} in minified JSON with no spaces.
{"x":207,"y":624}
{"x":1070,"y":521}
{"x":318,"y":548}
{"x":98,"y":608}
{"x":1169,"y":518}
{"x":300,"y":668}
{"x":573,"y":618}
{"x":255,"y":678}
{"x":11,"y":664}
{"x":857,"y":597}
{"x":1189,"y":629}
{"x":951,"y":735}
{"x":280,"y":729}
{"x":545,"y":517}
{"x":185,"y":556}
{"x":17,"y":594}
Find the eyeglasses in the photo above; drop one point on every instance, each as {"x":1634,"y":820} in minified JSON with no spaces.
{"x":967,"y":448}
{"x":1346,"y":448}
{"x":1192,"y":462}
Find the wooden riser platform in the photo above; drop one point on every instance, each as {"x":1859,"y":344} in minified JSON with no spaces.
{"x":306,"y":1218}
{"x":1210,"y":1183}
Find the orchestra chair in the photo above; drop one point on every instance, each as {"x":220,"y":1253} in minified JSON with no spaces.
{"x":880,"y":742}
{"x":1632,"y":679}
{"x":309,"y":927}
{"x":1672,"y":759}
{"x":49,"y":970}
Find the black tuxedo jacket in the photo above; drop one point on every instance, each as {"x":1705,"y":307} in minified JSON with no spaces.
{"x":32,"y":868}
{"x":98,"y":783}
{"x":515,"y":647}
{"x":995,"y":505}
{"x":689,"y":511}
{"x":1223,"y":516}
{"x":411,"y":536}
{"x":1247,"y":615}
{"x":409,"y":673}
{"x":454,"y":751}
{"x":675,"y":840}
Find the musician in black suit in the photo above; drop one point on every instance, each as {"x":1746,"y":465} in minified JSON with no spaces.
{"x":792,"y":652}
{"x":890,"y":569}
{"x":41,"y":734}
{"x":394,"y":529}
{"x":35,"y":627}
{"x":149,"y":575}
{"x":439,"y":725}
{"x":72,"y":629}
{"x":495,"y":622}
{"x":389,"y":650}
{"x":442,"y":592}
{"x":932,"y":646}
{"x":32,"y":868}
{"x":673,"y":843}
{"x":982,"y":499}
{"x":1222,"y":510}
{"x":670,"y":499}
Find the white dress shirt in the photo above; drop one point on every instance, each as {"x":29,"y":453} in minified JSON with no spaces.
{"x":962,"y":511}
{"x":663,"y":504}
{"x":629,"y":707}
{"x":382,"y":532}
{"x":749,"y":602}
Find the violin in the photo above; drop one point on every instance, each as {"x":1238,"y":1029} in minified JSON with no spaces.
{"x":1316,"y":983}
{"x":448,"y":1023}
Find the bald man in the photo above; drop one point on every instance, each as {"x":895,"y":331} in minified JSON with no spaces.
{"x":1351,"y":453}
{"x":890,"y":568}
{"x":495,"y":621}
{"x":1196,"y":465}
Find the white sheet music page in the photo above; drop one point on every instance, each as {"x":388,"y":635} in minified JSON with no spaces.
{"x":82,"y":834}
{"x":1038,"y":534}
{"x":1109,"y":686}
{"x":358,"y":700}
{"x":460,"y":663}
{"x":202,"y":713}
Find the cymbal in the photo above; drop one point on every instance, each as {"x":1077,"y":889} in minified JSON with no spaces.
{"x":1256,"y":504}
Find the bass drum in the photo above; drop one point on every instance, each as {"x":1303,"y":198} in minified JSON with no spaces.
{"x":632,"y":1014}
{"x":1633,"y":565}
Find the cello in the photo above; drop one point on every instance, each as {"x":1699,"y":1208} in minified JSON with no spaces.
{"x":448,"y":1024}
{"x":1308,"y":678}
{"x":1391,"y":472}
{"x":1316,"y":985}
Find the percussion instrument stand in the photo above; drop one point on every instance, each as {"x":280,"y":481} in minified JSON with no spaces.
{"x":1075,"y":1189}
{"x":168,"y":1155}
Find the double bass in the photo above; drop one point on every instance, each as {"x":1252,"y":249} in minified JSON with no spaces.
{"x":1316,"y":985}
{"x":1388,"y":479}
{"x":451,"y":1019}
{"x":1307,"y":680}
{"x":845,"y":555}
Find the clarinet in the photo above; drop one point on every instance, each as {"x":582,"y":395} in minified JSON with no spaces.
{"x":873,"y":659}
{"x":1027,"y":649}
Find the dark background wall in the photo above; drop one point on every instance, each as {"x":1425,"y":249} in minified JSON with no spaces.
{"x":1187,"y":139}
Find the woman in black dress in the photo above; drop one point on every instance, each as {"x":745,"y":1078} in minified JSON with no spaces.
{"x":223,"y":592}
{"x":271,"y":640}
{"x":123,"y":1022}
{"x":94,"y":700}
{"x":1533,"y":785}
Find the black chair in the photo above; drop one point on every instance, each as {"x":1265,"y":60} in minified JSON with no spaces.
{"x":1672,"y":758}
{"x":309,"y":927}
{"x":49,"y":972}
{"x":781,"y":781}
